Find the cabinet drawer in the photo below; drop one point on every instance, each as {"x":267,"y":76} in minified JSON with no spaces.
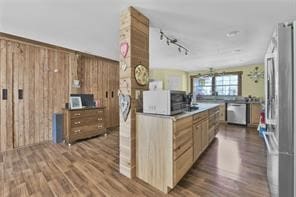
{"x":91,"y":120}
{"x":86,"y":113}
{"x":200,"y":116}
{"x":182,"y":165}
{"x":87,"y":128}
{"x":182,"y":142}
{"x":183,"y":123}
{"x":214,"y":110}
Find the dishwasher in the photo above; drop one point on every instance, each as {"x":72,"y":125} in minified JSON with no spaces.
{"x":237,"y":113}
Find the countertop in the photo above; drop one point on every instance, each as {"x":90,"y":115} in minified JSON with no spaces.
{"x":202,"y":107}
{"x":229,"y":101}
{"x":84,"y":108}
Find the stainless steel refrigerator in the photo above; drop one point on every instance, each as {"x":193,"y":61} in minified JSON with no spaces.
{"x":280,"y":110}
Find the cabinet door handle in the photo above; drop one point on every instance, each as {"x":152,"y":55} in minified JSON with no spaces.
{"x":77,"y":131}
{"x":100,"y":118}
{"x":106,"y":94}
{"x":77,"y":114}
{"x":77,"y":122}
{"x":4,"y":94}
{"x":20,"y":94}
{"x":112,"y":94}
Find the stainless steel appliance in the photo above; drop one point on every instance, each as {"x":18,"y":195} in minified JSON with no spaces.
{"x":237,"y":113}
{"x":165,"y":102}
{"x":280,"y":100}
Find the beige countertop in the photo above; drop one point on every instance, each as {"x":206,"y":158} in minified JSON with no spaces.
{"x":202,"y":107}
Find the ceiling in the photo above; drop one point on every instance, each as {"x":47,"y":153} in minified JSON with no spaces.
{"x":201,"y":26}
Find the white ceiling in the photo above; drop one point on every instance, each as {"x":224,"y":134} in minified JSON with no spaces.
{"x":93,"y":26}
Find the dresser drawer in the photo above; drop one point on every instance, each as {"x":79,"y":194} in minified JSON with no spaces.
{"x":87,"y":128}
{"x":182,"y":165}
{"x":182,"y":141}
{"x":91,"y":120}
{"x":200,"y":116}
{"x":86,"y":113}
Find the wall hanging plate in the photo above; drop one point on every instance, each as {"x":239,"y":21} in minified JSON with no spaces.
{"x":125,"y":105}
{"x":141,"y":75}
{"x":124,"y":49}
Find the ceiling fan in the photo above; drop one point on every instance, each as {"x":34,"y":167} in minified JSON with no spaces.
{"x":211,"y":73}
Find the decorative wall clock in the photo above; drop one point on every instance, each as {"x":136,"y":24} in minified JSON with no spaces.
{"x":141,"y":75}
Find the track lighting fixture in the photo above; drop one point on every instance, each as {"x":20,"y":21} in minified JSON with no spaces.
{"x":161,"y":35}
{"x":173,"y":41}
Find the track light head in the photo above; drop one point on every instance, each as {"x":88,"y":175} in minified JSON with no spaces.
{"x":161,"y":35}
{"x":168,"y":42}
{"x":186,"y":52}
{"x":179,"y":49}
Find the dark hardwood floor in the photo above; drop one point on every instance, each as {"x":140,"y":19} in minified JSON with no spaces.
{"x":233,"y":165}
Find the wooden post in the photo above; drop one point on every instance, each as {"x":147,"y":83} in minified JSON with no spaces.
{"x":134,"y":31}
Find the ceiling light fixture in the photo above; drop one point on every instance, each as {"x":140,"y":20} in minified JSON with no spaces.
{"x":236,"y":51}
{"x":232,"y":34}
{"x":211,"y":73}
{"x":173,"y":41}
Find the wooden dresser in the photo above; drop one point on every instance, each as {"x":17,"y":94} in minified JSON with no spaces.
{"x":83,"y":123}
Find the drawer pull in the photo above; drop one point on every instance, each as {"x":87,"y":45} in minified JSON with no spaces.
{"x":100,"y":126}
{"x":77,"y":114}
{"x":100,"y":118}
{"x":77,"y":131}
{"x":77,"y":122}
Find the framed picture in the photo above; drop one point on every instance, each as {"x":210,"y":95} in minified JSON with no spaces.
{"x":75,"y":102}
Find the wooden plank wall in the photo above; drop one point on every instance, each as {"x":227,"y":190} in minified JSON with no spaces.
{"x":101,"y":78}
{"x":134,"y":29}
{"x":45,"y":75}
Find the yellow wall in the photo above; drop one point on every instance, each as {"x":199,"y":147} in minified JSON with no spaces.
{"x":249,"y":87}
{"x":164,"y":74}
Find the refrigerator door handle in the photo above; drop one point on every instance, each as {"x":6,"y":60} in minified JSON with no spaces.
{"x":269,"y":146}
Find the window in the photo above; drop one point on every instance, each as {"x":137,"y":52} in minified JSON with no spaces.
{"x":228,"y":84}
{"x":202,"y":86}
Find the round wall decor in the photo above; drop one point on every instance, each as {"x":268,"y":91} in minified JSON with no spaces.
{"x":141,"y":75}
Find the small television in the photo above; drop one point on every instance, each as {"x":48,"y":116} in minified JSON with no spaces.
{"x":87,"y":100}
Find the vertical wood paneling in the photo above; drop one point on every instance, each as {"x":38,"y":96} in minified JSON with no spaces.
{"x":45,"y":97}
{"x":31,"y":90}
{"x":3,"y":130}
{"x":31,"y":68}
{"x":9,"y":83}
{"x":26,"y":100}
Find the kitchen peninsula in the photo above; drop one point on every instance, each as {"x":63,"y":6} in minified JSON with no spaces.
{"x":167,"y":146}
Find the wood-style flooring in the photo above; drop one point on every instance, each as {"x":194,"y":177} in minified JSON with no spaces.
{"x":233,"y":165}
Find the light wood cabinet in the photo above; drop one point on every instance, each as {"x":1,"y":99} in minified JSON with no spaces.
{"x":167,"y":147}
{"x":255,"y":110}
{"x":83,"y":123}
{"x":204,"y":134}
{"x":222,"y":117}
{"x":197,"y":140}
